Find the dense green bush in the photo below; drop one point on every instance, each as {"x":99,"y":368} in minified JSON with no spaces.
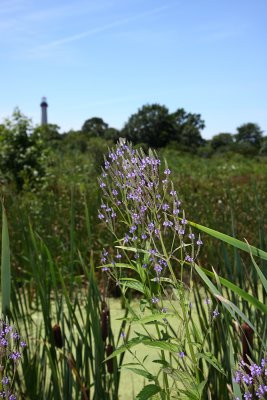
{"x":22,"y":155}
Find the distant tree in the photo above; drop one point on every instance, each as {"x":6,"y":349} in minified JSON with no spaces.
{"x":95,"y":127}
{"x":222,"y":140}
{"x":249,"y":133}
{"x":75,"y":140}
{"x":151,"y":125}
{"x":112,"y":134}
{"x":263,"y":149}
{"x":21,"y":155}
{"x":187,"y":127}
{"x":48,"y":133}
{"x":154,"y":126}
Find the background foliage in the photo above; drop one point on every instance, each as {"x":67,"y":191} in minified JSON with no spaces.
{"x":51,"y":196}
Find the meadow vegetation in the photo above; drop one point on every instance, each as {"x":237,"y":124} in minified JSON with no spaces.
{"x":197,"y":270}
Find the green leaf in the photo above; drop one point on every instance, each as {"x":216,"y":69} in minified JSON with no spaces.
{"x":209,"y":357}
{"x":5,"y":266}
{"x":259,"y":272}
{"x":132,"y":284}
{"x":118,"y":265}
{"x":147,"y":392}
{"x":230,"y":240}
{"x":232,"y":308}
{"x":162,"y":279}
{"x":162,"y":362}
{"x":131,"y":343}
{"x":162,"y":345}
{"x":134,"y":249}
{"x":240,"y":292}
{"x":180,"y":376}
{"x":151,"y":318}
{"x":142,"y":372}
{"x":200,"y":387}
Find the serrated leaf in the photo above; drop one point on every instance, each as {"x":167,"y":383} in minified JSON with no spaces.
{"x":162,"y":345}
{"x":132,"y":284}
{"x":131,"y":343}
{"x":209,"y":357}
{"x":142,"y":372}
{"x":134,"y":249}
{"x":180,"y":376}
{"x":162,"y":279}
{"x":118,"y":265}
{"x":151,"y":318}
{"x":162,"y":362}
{"x":147,"y":392}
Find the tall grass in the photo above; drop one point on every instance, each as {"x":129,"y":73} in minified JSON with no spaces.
{"x":61,"y":318}
{"x":57,"y":297}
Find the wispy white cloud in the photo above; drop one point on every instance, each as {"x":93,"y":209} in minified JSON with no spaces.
{"x":70,"y":10}
{"x":25,"y":32}
{"x":21,"y":18}
{"x":100,"y":29}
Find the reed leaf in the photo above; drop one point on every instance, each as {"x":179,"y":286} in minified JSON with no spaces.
{"x":230,"y":240}
{"x":5,"y":266}
{"x":240,"y":292}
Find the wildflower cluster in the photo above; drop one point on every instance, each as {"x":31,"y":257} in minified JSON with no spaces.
{"x":213,"y":313}
{"x":144,"y":201}
{"x":252,"y":378}
{"x":155,"y":243}
{"x":11,"y":345}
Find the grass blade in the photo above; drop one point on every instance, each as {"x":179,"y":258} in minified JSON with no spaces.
{"x":230,"y":240}
{"x":5,"y":266}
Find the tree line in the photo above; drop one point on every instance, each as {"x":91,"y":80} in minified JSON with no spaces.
{"x":154,"y":126}
{"x":24,"y":149}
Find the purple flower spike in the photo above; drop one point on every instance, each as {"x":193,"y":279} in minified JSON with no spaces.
{"x":154,"y":300}
{"x":15,"y":355}
{"x":189,"y":259}
{"x":5,"y":380}
{"x":158,"y":268}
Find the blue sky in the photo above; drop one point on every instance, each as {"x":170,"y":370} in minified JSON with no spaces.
{"x":107,"y":58}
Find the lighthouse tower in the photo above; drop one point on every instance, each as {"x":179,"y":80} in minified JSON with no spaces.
{"x":44,"y":106}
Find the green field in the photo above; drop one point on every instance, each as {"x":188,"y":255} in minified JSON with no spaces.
{"x":56,"y":239}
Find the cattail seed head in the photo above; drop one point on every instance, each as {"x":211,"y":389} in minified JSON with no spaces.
{"x":109,"y":351}
{"x":57,"y":336}
{"x":247,"y":342}
{"x":105,"y":323}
